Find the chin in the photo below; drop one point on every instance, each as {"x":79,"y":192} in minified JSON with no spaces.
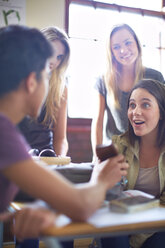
{"x":35,"y":114}
{"x":139,"y":134}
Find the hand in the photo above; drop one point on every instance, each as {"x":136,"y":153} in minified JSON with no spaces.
{"x":110,"y":171}
{"x":29,"y":222}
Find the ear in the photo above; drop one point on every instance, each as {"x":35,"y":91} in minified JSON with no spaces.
{"x":31,"y":83}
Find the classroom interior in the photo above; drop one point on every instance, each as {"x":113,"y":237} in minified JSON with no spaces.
{"x":41,"y":13}
{"x":62,"y":13}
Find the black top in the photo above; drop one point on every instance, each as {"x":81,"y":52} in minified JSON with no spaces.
{"x":38,"y":136}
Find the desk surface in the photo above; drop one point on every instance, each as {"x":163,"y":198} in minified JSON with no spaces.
{"x":104,"y":223}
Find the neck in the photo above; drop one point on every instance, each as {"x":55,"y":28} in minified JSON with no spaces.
{"x":11,"y":106}
{"x":150,"y":139}
{"x":127,"y":78}
{"x":149,"y":152}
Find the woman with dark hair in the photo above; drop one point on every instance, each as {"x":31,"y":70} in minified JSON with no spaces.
{"x":124,"y":70}
{"x":144,"y":149}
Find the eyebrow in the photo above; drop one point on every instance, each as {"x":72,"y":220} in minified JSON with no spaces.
{"x":116,"y":44}
{"x":143,"y":99}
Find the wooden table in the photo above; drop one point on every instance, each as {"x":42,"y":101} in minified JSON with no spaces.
{"x":82,"y":230}
{"x":137,"y":223}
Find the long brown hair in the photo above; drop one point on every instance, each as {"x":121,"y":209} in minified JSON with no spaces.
{"x":56,"y":82}
{"x":113,"y":70}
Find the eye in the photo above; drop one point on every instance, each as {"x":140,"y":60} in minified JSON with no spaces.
{"x":132,"y":105}
{"x":145,"y":105}
{"x":60,"y":57}
{"x":116,"y":47}
{"x":128,"y":43}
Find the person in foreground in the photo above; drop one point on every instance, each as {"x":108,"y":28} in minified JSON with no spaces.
{"x":144,"y":149}
{"x":49,"y":130}
{"x":24,"y":54}
{"x":124,"y":70}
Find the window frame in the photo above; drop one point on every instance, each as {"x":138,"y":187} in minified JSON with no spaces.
{"x":96,"y":4}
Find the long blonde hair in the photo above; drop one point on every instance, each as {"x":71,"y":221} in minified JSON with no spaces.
{"x":56,"y":82}
{"x":113,"y":70}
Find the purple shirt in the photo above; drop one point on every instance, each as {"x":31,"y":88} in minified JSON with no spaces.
{"x":13,"y":149}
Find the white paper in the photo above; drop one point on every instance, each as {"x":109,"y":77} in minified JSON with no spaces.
{"x":104,"y":217}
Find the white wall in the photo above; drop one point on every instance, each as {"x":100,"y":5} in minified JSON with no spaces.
{"x":42,"y":13}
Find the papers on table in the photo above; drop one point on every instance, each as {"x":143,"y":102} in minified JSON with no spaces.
{"x":104,"y":217}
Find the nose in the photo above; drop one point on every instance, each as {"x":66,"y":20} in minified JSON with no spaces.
{"x":137,"y":111}
{"x":122,"y":50}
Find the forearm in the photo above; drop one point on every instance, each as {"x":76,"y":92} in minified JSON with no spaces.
{"x":77,"y":202}
{"x":58,"y":192}
{"x":92,"y":197}
{"x":96,"y":135}
{"x":61,"y":146}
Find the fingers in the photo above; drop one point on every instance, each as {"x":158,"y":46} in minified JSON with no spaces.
{"x":30,"y":222}
{"x":118,"y":158}
{"x":112,"y":170}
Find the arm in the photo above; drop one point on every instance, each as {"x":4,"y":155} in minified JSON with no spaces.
{"x":97,"y":122}
{"x":60,"y":142}
{"x":76,"y":202}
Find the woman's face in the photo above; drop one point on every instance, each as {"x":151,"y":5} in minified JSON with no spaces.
{"x":59,"y":53}
{"x":143,"y":113}
{"x":124,"y":47}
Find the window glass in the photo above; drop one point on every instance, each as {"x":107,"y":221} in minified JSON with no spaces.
{"x":87,"y":61}
{"x":81,"y":19}
{"x":89,"y":29}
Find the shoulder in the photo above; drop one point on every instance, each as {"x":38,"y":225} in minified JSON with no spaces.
{"x":153,"y":74}
{"x":13,"y":147}
{"x":5,"y":124}
{"x":124,"y":146}
{"x":121,"y":141}
{"x":100,"y":85}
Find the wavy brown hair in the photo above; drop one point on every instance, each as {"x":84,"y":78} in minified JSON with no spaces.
{"x":113,"y":70}
{"x":57,"y":81}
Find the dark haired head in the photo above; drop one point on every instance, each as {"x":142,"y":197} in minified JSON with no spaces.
{"x":156,"y":89}
{"x":22,"y":50}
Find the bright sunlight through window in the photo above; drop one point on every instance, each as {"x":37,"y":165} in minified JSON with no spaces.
{"x":88,"y":30}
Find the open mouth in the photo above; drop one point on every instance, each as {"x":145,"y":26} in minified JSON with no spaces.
{"x":139,"y":122}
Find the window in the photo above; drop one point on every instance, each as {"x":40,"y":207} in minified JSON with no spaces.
{"x":89,"y":25}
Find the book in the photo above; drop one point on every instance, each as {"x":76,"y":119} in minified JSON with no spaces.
{"x":133,"y":201}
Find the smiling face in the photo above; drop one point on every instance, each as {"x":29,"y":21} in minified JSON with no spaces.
{"x":143,"y":113}
{"x":124,"y":47}
{"x":59,"y":53}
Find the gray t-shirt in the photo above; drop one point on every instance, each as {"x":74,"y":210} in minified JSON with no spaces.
{"x":13,"y":149}
{"x":115,"y":120}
